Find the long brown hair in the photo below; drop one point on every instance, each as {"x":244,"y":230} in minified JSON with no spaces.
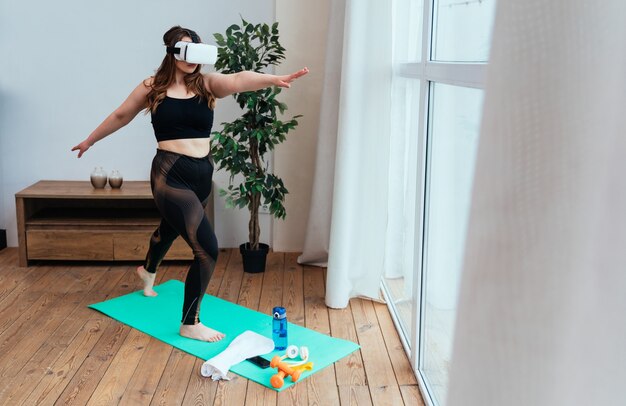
{"x":165,"y":75}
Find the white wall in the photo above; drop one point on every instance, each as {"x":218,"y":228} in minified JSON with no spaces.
{"x":303,"y":27}
{"x":66,"y":65}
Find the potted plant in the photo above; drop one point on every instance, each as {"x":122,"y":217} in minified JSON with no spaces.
{"x":241,"y":145}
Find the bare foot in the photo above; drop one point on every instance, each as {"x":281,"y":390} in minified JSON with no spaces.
{"x":200,"y":332}
{"x":148,"y":281}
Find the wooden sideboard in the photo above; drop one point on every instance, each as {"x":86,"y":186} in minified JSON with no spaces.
{"x":70,"y":220}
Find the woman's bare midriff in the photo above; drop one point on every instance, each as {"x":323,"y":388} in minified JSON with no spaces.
{"x":195,"y":147}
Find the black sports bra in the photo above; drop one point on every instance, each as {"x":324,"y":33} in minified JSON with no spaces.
{"x":182,"y":118}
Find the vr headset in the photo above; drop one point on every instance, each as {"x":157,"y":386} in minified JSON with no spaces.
{"x":194,"y":52}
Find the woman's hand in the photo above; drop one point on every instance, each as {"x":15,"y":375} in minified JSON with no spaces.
{"x":285,"y":80}
{"x":82,"y":147}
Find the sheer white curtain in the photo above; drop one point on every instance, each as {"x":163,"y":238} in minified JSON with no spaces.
{"x":403,"y":150}
{"x":357,"y":213}
{"x":541,"y":317}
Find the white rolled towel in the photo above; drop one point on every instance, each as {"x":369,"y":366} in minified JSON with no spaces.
{"x":245,"y":345}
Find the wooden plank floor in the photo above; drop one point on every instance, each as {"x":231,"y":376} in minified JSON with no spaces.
{"x":56,"y":351}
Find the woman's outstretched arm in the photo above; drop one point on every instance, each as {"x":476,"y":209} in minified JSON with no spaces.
{"x":222,"y":85}
{"x":136,"y":101}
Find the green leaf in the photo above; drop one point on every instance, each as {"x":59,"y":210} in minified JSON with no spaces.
{"x":219,"y":38}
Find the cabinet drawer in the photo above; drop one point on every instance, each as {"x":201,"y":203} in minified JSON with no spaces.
{"x":68,"y":244}
{"x":134,"y":246}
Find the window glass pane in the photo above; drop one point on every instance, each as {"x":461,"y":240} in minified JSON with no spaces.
{"x":400,"y":271}
{"x":407,"y":30}
{"x":455,"y":115}
{"x":462,"y":30}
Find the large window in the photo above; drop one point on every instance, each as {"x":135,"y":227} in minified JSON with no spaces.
{"x":441,"y":48}
{"x":461,"y":30}
{"x":455,"y":115}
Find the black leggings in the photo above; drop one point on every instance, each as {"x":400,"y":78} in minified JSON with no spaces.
{"x":181,"y":186}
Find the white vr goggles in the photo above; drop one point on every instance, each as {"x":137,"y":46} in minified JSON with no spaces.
{"x":194,"y":52}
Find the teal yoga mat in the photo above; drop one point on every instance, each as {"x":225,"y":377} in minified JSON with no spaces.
{"x":160,"y":316}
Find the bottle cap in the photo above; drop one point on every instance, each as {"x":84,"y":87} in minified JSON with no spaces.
{"x":279,"y":312}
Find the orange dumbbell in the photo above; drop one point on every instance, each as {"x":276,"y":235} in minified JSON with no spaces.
{"x":284,"y":369}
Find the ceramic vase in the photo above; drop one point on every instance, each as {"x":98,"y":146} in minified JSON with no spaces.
{"x":98,"y":178}
{"x":115,"y":179}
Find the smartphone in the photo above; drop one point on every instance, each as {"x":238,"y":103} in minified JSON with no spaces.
{"x":259,"y":361}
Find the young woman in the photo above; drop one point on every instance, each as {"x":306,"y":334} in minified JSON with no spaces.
{"x":181,"y":100}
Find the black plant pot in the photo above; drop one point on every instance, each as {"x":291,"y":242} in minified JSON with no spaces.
{"x":254,"y":260}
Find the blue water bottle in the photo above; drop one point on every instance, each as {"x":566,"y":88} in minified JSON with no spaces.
{"x":279,"y":328}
